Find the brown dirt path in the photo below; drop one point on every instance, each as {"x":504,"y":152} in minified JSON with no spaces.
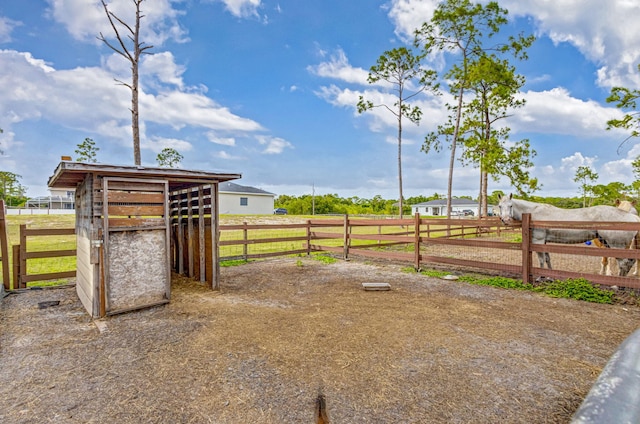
{"x":281,"y":331}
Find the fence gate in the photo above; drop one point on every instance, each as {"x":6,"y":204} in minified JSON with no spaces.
{"x":135,"y":254}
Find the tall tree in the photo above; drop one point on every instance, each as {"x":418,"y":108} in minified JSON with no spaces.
{"x":402,"y":69}
{"x":11,"y":190}
{"x":584,"y":176}
{"x":494,"y":85}
{"x":607,"y":194}
{"x":626,"y":99}
{"x":131,"y":51}
{"x":462,"y":27}
{"x":169,"y":158}
{"x":87,"y":151}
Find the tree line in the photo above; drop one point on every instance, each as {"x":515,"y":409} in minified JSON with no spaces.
{"x":328,"y":204}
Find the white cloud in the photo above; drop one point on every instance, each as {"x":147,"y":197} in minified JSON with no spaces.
{"x":338,"y":67}
{"x":556,"y":111}
{"x":274,"y":145}
{"x":84,"y":20}
{"x":605,"y":32}
{"x":6,"y":27}
{"x":379,"y":118}
{"x":179,"y":109}
{"x":161,"y":67}
{"x":409,"y":15}
{"x":242,"y":8}
{"x":156,"y":144}
{"x":619,"y":170}
{"x":226,"y":156}
{"x":571,"y":163}
{"x":225,"y":141}
{"x":34,"y":89}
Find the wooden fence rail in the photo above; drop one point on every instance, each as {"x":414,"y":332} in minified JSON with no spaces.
{"x":21,"y":276}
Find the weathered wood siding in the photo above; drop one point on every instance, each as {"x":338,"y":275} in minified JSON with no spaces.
{"x":87,"y":262}
{"x":85,"y":273}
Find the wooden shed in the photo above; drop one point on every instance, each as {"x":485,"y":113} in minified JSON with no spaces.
{"x":123,"y":229}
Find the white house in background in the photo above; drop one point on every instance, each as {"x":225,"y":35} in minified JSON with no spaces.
{"x":58,"y":199}
{"x":438,"y":207}
{"x":244,"y":200}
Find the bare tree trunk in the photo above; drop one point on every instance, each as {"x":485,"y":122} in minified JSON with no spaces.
{"x":400,"y":202}
{"x":454,"y":142}
{"x":135,"y":117}
{"x":483,"y":201}
{"x":133,"y":58}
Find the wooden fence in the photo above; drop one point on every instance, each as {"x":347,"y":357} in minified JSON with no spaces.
{"x":483,"y":244}
{"x":21,"y":255}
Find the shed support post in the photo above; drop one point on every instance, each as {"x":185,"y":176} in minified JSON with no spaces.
{"x":190,"y":255}
{"x":215,"y":237}
{"x":180,"y":232}
{"x":201,"y":250}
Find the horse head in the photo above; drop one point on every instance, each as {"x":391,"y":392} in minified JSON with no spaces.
{"x":505,"y":209}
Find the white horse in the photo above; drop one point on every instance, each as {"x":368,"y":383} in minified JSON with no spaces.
{"x":512,"y":210}
{"x":630,"y":207}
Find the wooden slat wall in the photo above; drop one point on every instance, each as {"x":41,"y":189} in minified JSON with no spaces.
{"x":192,"y":211}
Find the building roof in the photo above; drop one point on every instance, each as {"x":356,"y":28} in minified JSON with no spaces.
{"x":229,"y":187}
{"x":443,"y":202}
{"x":70,"y":174}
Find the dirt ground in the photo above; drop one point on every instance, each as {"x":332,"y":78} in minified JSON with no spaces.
{"x":281,"y":332}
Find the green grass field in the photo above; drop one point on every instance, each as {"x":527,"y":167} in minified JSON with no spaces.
{"x":49,"y":243}
{"x":44,"y":243}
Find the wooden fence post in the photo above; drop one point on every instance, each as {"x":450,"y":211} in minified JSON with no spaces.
{"x":23,"y":256}
{"x":416,"y":243}
{"x":526,"y":248}
{"x":346,"y":237}
{"x":308,"y":237}
{"x":245,"y":238}
{"x":16,"y":266}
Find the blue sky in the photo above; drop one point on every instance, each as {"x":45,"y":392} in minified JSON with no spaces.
{"x":268,"y":89}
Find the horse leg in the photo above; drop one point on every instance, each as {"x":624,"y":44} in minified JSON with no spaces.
{"x":610,"y":266}
{"x":624,"y":266}
{"x":605,"y":266}
{"x":543,"y":257}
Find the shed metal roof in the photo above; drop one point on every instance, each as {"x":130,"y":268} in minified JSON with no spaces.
{"x":70,"y":174}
